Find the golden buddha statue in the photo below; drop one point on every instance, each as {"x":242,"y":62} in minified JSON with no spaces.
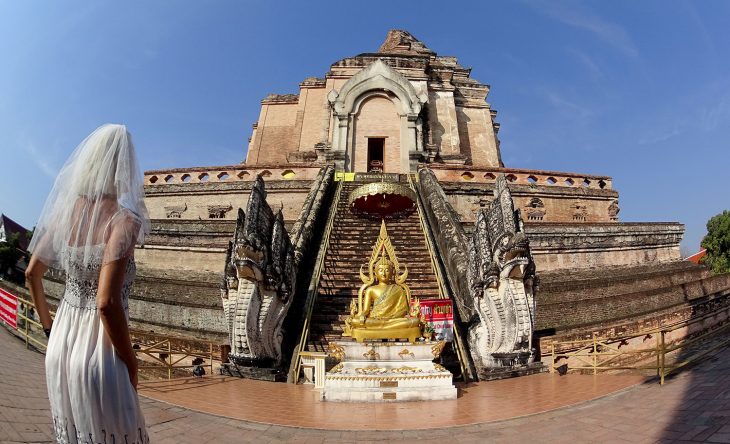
{"x":383,"y":310}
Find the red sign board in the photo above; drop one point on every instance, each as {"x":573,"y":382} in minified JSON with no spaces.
{"x":439,"y":315}
{"x":8,"y":308}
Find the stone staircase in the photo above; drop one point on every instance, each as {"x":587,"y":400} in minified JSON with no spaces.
{"x":351,"y":243}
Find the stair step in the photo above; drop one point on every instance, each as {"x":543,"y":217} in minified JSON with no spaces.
{"x":350,"y":246}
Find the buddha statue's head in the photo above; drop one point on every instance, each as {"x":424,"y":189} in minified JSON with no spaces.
{"x":385,"y":271}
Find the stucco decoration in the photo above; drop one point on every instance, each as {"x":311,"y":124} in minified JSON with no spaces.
{"x":501,"y":276}
{"x":377,"y":76}
{"x":260,"y":273}
{"x":259,"y":282}
{"x":374,"y":79}
{"x":613,"y":211}
{"x":175,"y":211}
{"x":491,"y":274}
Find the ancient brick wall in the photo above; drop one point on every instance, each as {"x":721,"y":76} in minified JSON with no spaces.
{"x":476,"y":135}
{"x":560,"y":246}
{"x":196,"y":200}
{"x":276,"y":134}
{"x":228,"y":174}
{"x":571,"y":301}
{"x":193,"y":241}
{"x":172,"y":302}
{"x":183,"y":304}
{"x":177,"y":301}
{"x":537,"y":203}
{"x":180,"y":258}
{"x":443,"y":122}
{"x":458,"y":120}
{"x":314,"y":117}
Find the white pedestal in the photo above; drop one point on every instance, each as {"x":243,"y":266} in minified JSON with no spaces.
{"x":387,"y":372}
{"x":312,"y":364}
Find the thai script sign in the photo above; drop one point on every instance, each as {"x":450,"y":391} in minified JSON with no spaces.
{"x":341,"y":176}
{"x":9,"y":308}
{"x":439,"y":315}
{"x":385,"y":177}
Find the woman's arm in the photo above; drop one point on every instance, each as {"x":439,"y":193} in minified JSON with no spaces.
{"x":111,"y":311}
{"x":34,"y":281}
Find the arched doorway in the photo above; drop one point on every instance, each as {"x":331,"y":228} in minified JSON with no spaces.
{"x":376,"y":134}
{"x":353,"y":110}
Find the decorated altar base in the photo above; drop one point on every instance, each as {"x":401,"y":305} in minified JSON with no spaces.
{"x":387,"y":372}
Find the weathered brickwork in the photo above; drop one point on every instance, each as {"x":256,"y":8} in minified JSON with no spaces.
{"x":181,"y":258}
{"x":561,"y":246}
{"x":194,"y":200}
{"x":276,"y":133}
{"x":229,"y":174}
{"x":478,"y":141}
{"x":587,"y":299}
{"x":538,"y":203}
{"x":185,"y":304}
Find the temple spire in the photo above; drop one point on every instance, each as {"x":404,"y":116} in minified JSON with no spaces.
{"x":399,"y":41}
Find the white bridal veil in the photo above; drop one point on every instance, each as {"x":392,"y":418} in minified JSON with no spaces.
{"x":96,"y":206}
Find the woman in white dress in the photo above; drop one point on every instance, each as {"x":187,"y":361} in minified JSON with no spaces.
{"x":92,"y":219}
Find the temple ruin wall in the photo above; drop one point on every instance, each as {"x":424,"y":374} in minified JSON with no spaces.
{"x":625,"y":304}
{"x":476,"y":135}
{"x":180,"y":258}
{"x":537,"y":203}
{"x":229,"y":173}
{"x":220,"y":199}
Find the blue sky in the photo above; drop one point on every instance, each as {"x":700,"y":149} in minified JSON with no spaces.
{"x":639,"y":91}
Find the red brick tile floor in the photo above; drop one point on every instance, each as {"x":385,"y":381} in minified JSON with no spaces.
{"x":691,"y":407}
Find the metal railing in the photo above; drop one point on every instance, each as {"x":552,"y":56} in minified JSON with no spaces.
{"x":28,"y":321}
{"x":169,"y":353}
{"x":605,"y":354}
{"x":295,"y":366}
{"x":159,"y":351}
{"x":443,"y":293}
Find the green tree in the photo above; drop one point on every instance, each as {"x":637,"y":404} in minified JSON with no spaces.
{"x":717,"y":243}
{"x":9,"y":254}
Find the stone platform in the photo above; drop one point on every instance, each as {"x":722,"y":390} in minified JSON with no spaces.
{"x":262,"y":374}
{"x":533,"y":368}
{"x":388,"y":372}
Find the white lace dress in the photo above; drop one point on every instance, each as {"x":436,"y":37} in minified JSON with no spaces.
{"x":92,"y":399}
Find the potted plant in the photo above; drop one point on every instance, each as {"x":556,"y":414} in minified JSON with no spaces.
{"x":427,"y":332}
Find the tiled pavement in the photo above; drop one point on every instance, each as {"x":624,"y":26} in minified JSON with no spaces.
{"x":694,"y":407}
{"x":298,"y":405}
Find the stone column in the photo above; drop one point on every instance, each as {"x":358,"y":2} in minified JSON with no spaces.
{"x":339,"y":142}
{"x":408,"y":140}
{"x":344,"y":135}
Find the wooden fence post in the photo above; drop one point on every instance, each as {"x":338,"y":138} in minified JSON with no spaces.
{"x":551,"y":369}
{"x":595,"y":356}
{"x":211,"y":359}
{"x":658,"y":353}
{"x":662,"y":361}
{"x":25,"y":321}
